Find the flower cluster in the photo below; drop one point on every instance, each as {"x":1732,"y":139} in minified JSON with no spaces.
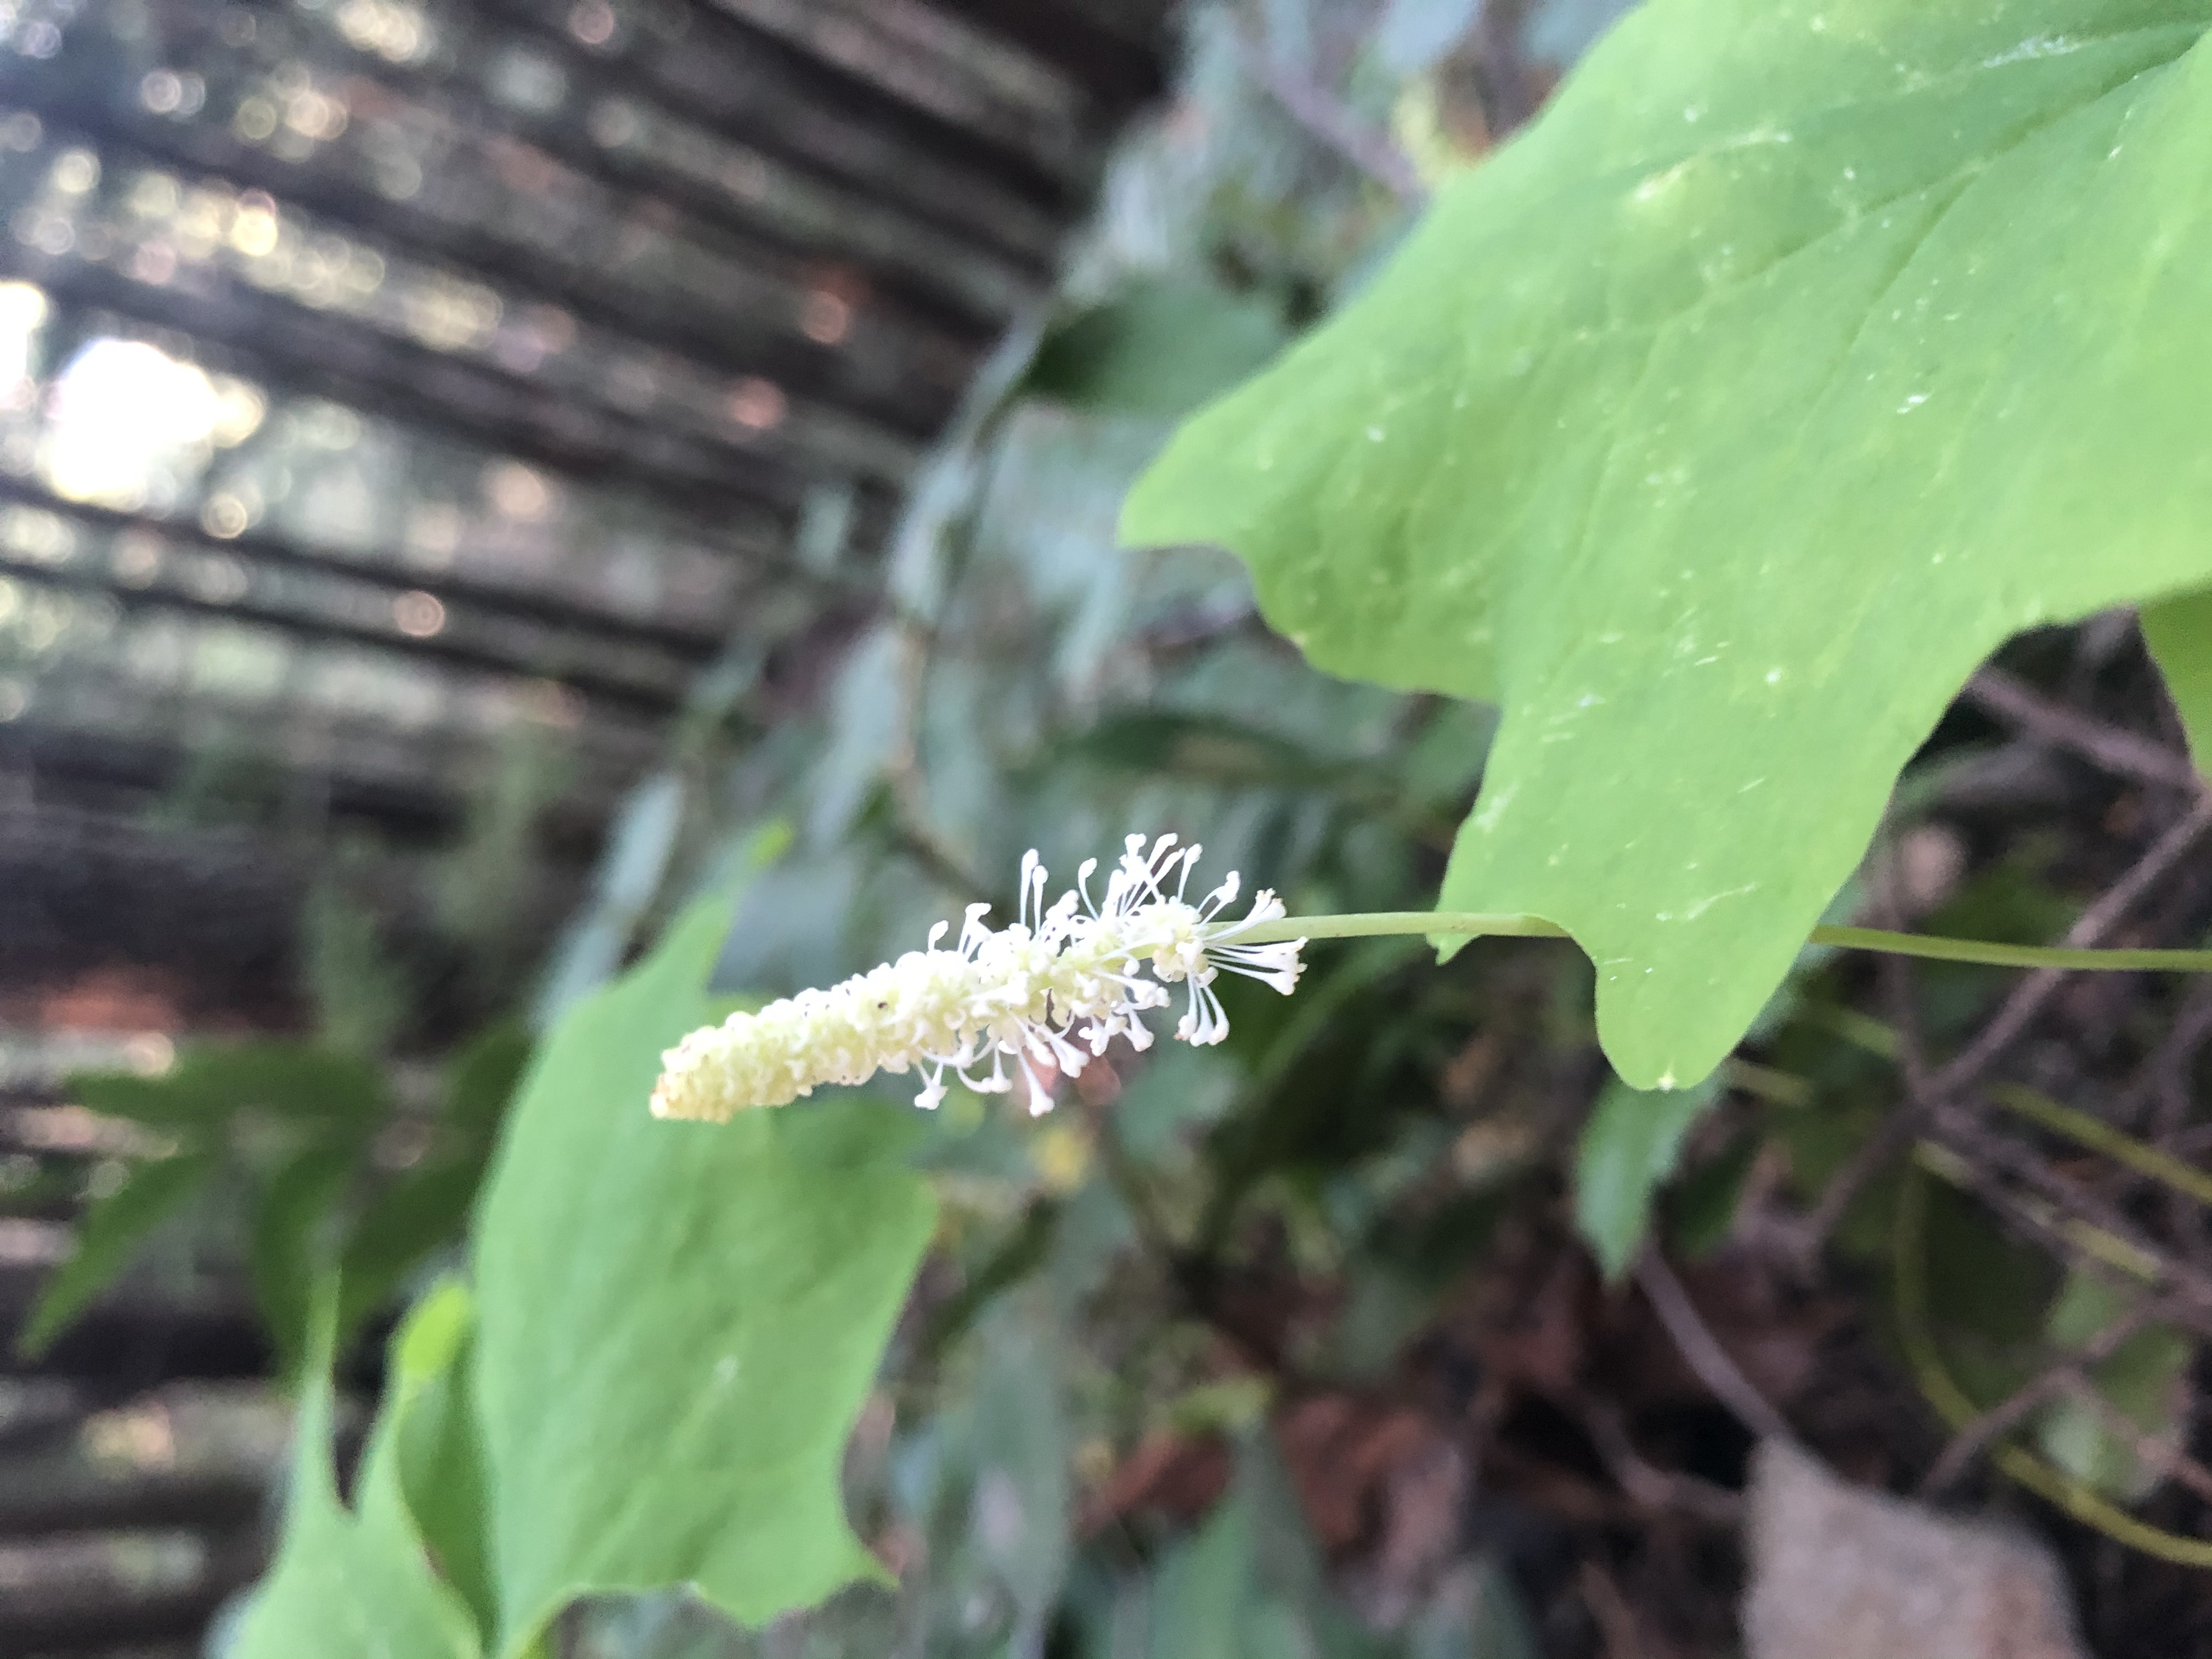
{"x":1048,"y":992}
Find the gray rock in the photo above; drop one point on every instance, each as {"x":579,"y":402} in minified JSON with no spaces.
{"x":1839,"y":1572}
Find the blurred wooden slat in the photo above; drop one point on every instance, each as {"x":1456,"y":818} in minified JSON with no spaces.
{"x":726,"y":260}
{"x":533,"y":605}
{"x":79,"y":1596}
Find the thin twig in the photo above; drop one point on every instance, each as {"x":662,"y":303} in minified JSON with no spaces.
{"x":1323,"y":114}
{"x":1702,"y":1351}
{"x":1891,"y":1137}
{"x":2009,"y":1413}
{"x":2161,"y":1456}
{"x":2114,"y":748}
{"x":1898,"y":1131}
{"x":1996,"y":1423}
{"x":1616,"y":1620}
{"x":1513,"y":90}
{"x":2035,"y":993}
{"x":2170,"y":1166}
{"x":2166,"y":1081}
{"x":2086,"y":1129}
{"x":1648,"y":1485}
{"x":2075,"y":1498}
{"x":2056,"y":1216}
{"x":1964,"y":1133}
{"x":2161,"y":1086}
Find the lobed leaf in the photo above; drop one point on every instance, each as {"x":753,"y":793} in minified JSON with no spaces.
{"x":1719,"y":426}
{"x":350,"y":1585}
{"x":678,"y":1322}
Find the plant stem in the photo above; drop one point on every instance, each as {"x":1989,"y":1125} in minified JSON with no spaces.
{"x":2070,"y":958}
{"x":1377,"y":924}
{"x":2101,"y":1137}
{"x":2083,"y":1502}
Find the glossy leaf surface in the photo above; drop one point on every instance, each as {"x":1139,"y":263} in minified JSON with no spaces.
{"x":1718,"y":427}
{"x":678,"y":1322}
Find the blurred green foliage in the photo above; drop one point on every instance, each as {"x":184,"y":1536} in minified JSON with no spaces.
{"x":308,"y":1147}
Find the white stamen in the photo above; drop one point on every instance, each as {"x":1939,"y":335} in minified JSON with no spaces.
{"x":1065,"y":979}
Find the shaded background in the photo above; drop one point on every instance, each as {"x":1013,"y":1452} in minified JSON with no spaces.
{"x":466,"y":469}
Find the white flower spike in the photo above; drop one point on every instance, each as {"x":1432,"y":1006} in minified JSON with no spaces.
{"x":1048,"y":992}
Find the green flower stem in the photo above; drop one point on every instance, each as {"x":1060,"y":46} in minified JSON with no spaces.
{"x":1378,"y":924}
{"x":1993,"y":955}
{"x":1381,"y":923}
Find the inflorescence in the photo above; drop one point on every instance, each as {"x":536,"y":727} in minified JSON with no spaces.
{"x":1049,"y":992}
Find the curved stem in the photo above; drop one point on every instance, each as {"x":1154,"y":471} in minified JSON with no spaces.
{"x":1986,"y":953}
{"x":1909,"y":1245}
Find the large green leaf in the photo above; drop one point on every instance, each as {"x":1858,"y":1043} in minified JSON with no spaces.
{"x":678,"y":1323}
{"x":345,"y":1585}
{"x":1717,"y":428}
